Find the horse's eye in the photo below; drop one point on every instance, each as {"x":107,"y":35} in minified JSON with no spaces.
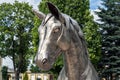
{"x":56,"y":30}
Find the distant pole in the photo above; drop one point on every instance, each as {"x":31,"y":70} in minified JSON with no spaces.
{"x":0,"y":68}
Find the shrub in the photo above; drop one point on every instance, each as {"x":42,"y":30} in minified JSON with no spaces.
{"x":25,"y":76}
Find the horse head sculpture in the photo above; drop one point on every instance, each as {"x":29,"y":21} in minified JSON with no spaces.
{"x":60,"y":33}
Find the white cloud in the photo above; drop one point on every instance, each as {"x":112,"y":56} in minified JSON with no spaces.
{"x":94,"y":14}
{"x":7,"y":1}
{"x":34,"y":3}
{"x":7,"y":62}
{"x":96,"y":17}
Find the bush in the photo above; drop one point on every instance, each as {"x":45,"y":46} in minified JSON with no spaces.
{"x":25,"y":76}
{"x":4,"y":72}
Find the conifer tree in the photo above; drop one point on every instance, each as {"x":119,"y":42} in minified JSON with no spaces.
{"x":110,"y":31}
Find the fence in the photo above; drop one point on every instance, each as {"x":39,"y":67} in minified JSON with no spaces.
{"x":32,"y":76}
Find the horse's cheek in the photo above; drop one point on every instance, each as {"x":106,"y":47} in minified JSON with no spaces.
{"x":63,"y":43}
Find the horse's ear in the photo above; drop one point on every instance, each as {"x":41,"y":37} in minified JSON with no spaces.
{"x":53,"y":9}
{"x":39,"y":14}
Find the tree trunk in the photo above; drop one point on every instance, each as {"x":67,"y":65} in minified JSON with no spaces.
{"x":17,"y":75}
{"x":16,"y":69}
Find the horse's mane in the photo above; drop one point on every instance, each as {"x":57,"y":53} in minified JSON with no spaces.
{"x":74,"y":26}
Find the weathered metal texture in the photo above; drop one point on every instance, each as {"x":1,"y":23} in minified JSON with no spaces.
{"x":60,"y":33}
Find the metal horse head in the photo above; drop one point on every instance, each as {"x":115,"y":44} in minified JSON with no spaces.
{"x":54,"y":37}
{"x":59,"y":32}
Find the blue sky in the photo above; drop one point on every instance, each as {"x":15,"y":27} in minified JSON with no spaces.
{"x":94,"y":4}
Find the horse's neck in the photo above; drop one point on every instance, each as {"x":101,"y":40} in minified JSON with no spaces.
{"x":75,"y":61}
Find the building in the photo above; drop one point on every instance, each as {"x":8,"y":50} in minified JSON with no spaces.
{"x":32,"y":76}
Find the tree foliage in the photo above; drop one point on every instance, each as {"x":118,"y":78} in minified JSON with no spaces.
{"x":34,"y":69}
{"x":4,"y":72}
{"x":78,"y":10}
{"x":110,"y":31}
{"x":16,"y":22}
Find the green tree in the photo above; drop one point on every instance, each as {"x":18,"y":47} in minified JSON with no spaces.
{"x":93,"y":38}
{"x":4,"y":72}
{"x":78,"y":10}
{"x":16,"y":22}
{"x":34,"y":69}
{"x":110,"y":31}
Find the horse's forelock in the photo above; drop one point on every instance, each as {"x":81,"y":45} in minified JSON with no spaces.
{"x":47,"y":17}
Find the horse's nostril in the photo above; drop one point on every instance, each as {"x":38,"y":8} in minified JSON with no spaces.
{"x":44,"y":61}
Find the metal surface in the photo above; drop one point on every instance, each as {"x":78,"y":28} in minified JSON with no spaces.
{"x":61,"y":33}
